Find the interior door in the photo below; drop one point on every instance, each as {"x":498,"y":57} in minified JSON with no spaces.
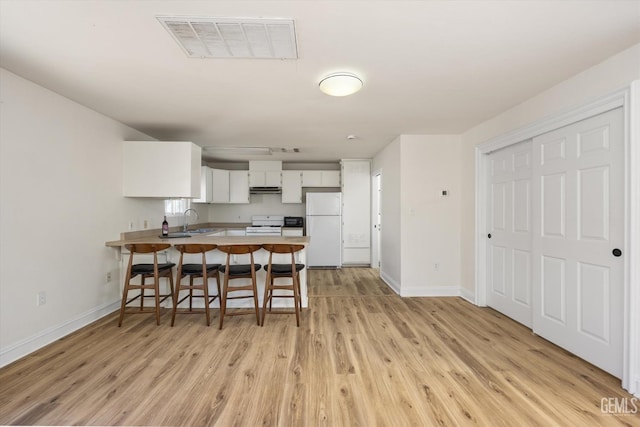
{"x":509,"y":238}
{"x":377,"y":220}
{"x":579,"y":225}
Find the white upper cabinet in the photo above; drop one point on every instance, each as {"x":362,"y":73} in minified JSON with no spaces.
{"x":313,"y":178}
{"x":239,"y":186}
{"x":224,"y":186}
{"x":161,"y":169}
{"x":291,"y":186}
{"x":206,"y":186}
{"x":331,"y":178}
{"x":265,"y":179}
{"x":265,"y":173}
{"x":220,"y":188}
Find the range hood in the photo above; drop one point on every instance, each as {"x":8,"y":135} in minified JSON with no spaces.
{"x":265,"y":190}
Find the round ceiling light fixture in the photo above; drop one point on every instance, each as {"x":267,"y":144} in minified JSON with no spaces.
{"x":340,"y":84}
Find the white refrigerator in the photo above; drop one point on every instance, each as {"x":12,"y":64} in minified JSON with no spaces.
{"x":324,"y":227}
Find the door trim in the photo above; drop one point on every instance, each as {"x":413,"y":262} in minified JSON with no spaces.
{"x":629,"y":99}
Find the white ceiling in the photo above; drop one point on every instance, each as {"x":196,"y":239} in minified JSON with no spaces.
{"x":429,"y":67}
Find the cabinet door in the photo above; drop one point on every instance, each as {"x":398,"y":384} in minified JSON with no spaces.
{"x":273,"y":179}
{"x":220,"y":187}
{"x":356,"y":211}
{"x":312,"y":178}
{"x":239,"y":186}
{"x":257,"y":179}
{"x":291,"y":187}
{"x":205,"y":186}
{"x":331,"y":178}
{"x":296,"y":232}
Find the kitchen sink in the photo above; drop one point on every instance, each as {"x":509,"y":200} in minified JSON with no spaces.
{"x":175,"y":235}
{"x":203,"y":230}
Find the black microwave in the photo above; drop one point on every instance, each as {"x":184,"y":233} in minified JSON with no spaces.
{"x":293,"y":221}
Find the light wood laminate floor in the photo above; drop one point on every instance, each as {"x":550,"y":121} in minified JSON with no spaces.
{"x":362,"y":356}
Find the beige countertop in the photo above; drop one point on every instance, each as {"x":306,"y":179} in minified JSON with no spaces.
{"x":153,"y":236}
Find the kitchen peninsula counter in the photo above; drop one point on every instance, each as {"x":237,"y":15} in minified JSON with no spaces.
{"x":261,"y":256}
{"x":216,"y":240}
{"x":153,"y":236}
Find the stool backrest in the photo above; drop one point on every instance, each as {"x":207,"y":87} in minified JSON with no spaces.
{"x":282,"y":248}
{"x":239,"y":249}
{"x":146,"y":248}
{"x":194,"y":248}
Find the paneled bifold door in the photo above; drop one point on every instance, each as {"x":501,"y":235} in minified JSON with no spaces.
{"x":556,"y":215}
{"x":509,"y":246}
{"x":578,"y":194}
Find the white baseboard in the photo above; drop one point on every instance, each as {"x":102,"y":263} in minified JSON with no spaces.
{"x":395,"y":286}
{"x":29,"y":345}
{"x":437,"y":291}
{"x":468,"y":295}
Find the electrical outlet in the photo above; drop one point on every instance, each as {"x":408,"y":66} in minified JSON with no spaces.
{"x":41,"y":298}
{"x":436,"y":266}
{"x":130,"y":225}
{"x":108,"y":276}
{"x":146,"y":224}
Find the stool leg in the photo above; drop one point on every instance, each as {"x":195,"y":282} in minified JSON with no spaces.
{"x":190,"y":292}
{"x":299,"y":292}
{"x":205,"y":288}
{"x":296,"y":297}
{"x":255,"y":296}
{"x":223,"y":300}
{"x":125,"y":293}
{"x":266,"y":295}
{"x":176,"y":295}
{"x":156,"y":288}
{"x":142,"y":292}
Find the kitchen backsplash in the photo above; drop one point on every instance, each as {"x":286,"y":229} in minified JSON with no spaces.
{"x":261,"y":204}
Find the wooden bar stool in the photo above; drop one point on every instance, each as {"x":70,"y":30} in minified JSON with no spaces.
{"x":276,"y":271}
{"x":239,"y":271}
{"x":194,"y":271}
{"x":145,"y":271}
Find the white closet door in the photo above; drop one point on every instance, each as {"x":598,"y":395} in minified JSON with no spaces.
{"x":578,"y":222}
{"x":509,"y":247}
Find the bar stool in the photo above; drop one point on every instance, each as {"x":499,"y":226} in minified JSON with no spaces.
{"x":239,"y":271}
{"x":194,"y":271}
{"x":145,"y":271}
{"x":276,"y":271}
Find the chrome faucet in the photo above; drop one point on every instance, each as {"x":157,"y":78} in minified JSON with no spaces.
{"x":185,"y":223}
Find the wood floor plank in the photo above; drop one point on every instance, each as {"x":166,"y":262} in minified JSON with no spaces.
{"x":361,"y":356}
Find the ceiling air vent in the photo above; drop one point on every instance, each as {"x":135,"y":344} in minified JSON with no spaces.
{"x":233,"y":37}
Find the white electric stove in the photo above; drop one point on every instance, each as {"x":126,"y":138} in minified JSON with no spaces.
{"x":265,"y":225}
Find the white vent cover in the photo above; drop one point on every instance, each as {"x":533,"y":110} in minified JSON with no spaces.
{"x":233,"y":37}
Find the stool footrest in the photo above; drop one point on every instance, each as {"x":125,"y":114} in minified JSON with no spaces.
{"x":211,"y":298}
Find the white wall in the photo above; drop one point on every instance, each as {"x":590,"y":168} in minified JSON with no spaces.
{"x":430,"y":222}
{"x":60,"y":201}
{"x":420,"y":227}
{"x":606,"y":77}
{"x":387,"y":162}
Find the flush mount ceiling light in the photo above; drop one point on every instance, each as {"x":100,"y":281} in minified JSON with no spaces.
{"x":340,"y":84}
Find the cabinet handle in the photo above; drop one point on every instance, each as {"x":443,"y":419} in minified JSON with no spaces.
{"x":616,"y":252}
{"x":489,"y":235}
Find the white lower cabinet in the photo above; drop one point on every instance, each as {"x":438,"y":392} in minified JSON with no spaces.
{"x":292,"y":232}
